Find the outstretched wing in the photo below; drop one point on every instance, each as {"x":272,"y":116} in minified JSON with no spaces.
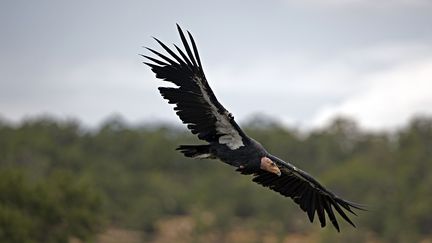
{"x":308,"y":193}
{"x":195,"y":102}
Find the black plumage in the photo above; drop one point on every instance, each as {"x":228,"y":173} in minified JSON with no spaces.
{"x":198,"y":108}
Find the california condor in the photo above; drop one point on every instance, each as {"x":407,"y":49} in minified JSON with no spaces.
{"x":198,"y":108}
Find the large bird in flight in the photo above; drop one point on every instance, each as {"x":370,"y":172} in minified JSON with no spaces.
{"x":198,"y":108}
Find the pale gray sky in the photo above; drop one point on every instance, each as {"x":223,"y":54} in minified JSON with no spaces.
{"x":302,"y":62}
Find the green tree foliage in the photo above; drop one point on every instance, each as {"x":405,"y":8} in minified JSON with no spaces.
{"x":52,"y":209}
{"x":59,"y":181}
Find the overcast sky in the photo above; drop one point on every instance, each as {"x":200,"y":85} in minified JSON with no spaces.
{"x":302,"y":62}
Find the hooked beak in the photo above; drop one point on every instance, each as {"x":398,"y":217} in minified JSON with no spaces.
{"x":268,"y":165}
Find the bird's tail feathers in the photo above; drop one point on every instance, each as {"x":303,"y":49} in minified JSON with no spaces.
{"x":196,"y":151}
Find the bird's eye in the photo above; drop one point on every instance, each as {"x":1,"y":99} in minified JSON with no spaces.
{"x":273,"y":164}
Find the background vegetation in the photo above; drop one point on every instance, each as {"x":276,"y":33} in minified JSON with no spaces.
{"x":60,"y":182}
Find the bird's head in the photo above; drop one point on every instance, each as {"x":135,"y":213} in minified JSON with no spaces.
{"x":270,"y":166}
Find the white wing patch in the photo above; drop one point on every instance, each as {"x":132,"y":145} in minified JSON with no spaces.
{"x":202,"y":156}
{"x":230,"y":135}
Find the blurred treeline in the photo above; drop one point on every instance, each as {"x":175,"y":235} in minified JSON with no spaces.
{"x":60,"y":181}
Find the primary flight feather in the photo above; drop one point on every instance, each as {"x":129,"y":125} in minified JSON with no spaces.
{"x":198,"y":108}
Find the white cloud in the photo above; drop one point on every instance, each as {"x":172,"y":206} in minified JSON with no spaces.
{"x":381,"y":86}
{"x":393,"y":96}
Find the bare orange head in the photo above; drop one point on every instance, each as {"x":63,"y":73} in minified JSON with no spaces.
{"x":270,"y":166}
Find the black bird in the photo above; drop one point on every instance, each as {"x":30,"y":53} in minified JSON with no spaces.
{"x":198,"y":108}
